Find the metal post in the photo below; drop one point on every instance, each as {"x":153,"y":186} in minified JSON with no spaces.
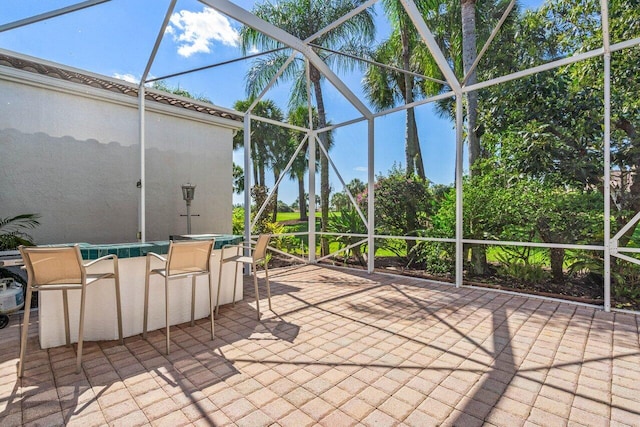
{"x":459,"y":214}
{"x":371,"y":265}
{"x":607,"y":155}
{"x":188,"y":217}
{"x":312,"y":196}
{"x":247,"y":179}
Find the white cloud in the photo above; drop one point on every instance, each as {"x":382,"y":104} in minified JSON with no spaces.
{"x":127,"y":77}
{"x":360,"y":168}
{"x":194,"y":32}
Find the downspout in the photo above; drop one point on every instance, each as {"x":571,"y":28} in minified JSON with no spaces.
{"x":142,"y":220}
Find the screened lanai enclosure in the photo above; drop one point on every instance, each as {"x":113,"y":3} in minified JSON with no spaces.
{"x":539,"y":102}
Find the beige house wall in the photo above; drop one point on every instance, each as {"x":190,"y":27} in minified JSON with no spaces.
{"x":71,"y":153}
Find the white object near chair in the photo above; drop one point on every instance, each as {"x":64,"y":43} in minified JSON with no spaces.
{"x":184,"y":259}
{"x":258,"y":253}
{"x":62,"y":269}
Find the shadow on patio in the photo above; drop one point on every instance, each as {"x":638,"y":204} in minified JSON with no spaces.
{"x":343,"y":348}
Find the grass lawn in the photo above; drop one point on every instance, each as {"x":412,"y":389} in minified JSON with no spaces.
{"x":303,"y":227}
{"x":288,"y":216}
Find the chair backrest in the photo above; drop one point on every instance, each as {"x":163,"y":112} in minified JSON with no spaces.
{"x":189,"y":256}
{"x":260,"y":249}
{"x":53,"y":266}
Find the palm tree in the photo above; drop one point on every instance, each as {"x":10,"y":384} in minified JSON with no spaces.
{"x":13,"y":230}
{"x":268,"y":146}
{"x":469,"y":55}
{"x":263,"y":136}
{"x":386,"y":88}
{"x":459,"y":30}
{"x":303,"y":19}
{"x":299,"y":116}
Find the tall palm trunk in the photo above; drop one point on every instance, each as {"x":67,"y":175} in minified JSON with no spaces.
{"x":469,"y":55}
{"x":301,"y":200}
{"x":412,"y":145}
{"x":324,"y":162}
{"x":276,"y":175}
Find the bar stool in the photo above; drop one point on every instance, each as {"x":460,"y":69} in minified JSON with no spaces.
{"x":258,"y":254}
{"x":188,"y":258}
{"x":61,"y":268}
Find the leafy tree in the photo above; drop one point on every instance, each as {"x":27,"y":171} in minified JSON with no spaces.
{"x":549,"y":125}
{"x":177,"y":90}
{"x":283,"y":207}
{"x":395,"y":195}
{"x":340,"y":201}
{"x":303,"y":19}
{"x":356,"y":186}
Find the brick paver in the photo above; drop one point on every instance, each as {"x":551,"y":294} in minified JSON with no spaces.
{"x":345,"y":348}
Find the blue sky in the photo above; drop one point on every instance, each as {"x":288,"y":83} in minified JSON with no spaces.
{"x":115,"y":39}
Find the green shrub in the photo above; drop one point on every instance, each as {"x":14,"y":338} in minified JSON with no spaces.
{"x":522,"y":264}
{"x":433,"y":257}
{"x":348,"y":221}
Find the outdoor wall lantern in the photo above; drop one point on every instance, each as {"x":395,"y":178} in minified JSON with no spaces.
{"x":188,"y":192}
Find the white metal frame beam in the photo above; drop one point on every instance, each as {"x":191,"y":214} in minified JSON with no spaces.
{"x":51,"y":14}
{"x":432,"y":45}
{"x":247,"y":18}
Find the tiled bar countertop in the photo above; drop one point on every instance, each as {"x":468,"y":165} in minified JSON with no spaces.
{"x":101,"y":320}
{"x":92,"y":251}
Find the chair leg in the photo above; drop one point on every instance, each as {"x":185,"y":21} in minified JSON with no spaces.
{"x":193,"y":300}
{"x":266,"y":278}
{"x":255,"y":284}
{"x":83,"y":297}
{"x":211,"y":303}
{"x":219,"y":285}
{"x":65,"y":307}
{"x":118,"y":305}
{"x":25,"y":331}
{"x":235,"y":285}
{"x":166,"y":309}
{"x":146,"y":302}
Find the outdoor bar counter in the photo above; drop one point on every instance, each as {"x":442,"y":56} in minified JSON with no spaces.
{"x":101,"y":321}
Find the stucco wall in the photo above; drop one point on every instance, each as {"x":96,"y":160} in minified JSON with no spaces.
{"x":71,"y":153}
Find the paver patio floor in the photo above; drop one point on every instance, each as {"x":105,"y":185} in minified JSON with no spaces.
{"x":345,"y":348}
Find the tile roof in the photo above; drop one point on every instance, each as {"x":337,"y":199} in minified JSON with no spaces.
{"x":113,"y":86}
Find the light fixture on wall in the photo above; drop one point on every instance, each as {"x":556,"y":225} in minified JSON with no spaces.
{"x":188,"y":191}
